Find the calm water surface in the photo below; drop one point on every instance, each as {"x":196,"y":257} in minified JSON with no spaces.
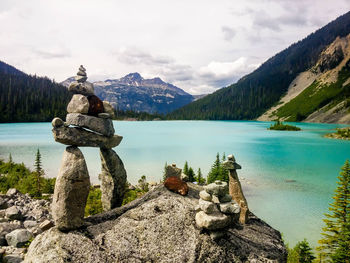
{"x":269,"y":160}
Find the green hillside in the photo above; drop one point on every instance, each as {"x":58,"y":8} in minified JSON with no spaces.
{"x":256,"y":92}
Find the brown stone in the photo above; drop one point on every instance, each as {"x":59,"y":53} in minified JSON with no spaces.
{"x":172,"y":170}
{"x":175,"y":184}
{"x":96,"y":105}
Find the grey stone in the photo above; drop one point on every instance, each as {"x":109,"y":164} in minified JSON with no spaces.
{"x":99,"y":125}
{"x":212,"y":221}
{"x":230,"y":208}
{"x":217,"y":188}
{"x":172,"y":170}
{"x":30,"y":223}
{"x":6,"y":228}
{"x":57,"y":122}
{"x":216,"y":235}
{"x":78,"y":104}
{"x":13,"y":258}
{"x":11,"y":192}
{"x":46,"y":225}
{"x":85,"y":88}
{"x":71,"y":190}
{"x":18,"y":237}
{"x":81,"y":137}
{"x":207,"y":207}
{"x":204,"y":195}
{"x":108,"y":108}
{"x":113,"y":179}
{"x":184,"y":177}
{"x":13,"y":213}
{"x":104,"y":115}
{"x":158,"y":227}
{"x":80,"y":79}
{"x":81,"y":68}
{"x":81,"y":73}
{"x":225,"y":199}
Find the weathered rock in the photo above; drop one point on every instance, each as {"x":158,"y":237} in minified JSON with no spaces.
{"x":11,"y":192}
{"x":18,"y":237}
{"x":78,"y":104}
{"x":172,"y":170}
{"x":176,"y":185}
{"x":13,"y":258}
{"x":47,"y":224}
{"x":96,"y":105}
{"x":204,"y":195}
{"x":81,"y":137}
{"x":85,"y":88}
{"x":230,"y":208}
{"x":57,"y":122}
{"x":104,"y":115}
{"x":158,"y":227}
{"x":71,"y":190}
{"x":13,"y":213}
{"x":108,"y":108}
{"x":81,"y":73}
{"x":212,"y":221}
{"x":102,"y":126}
{"x":30,"y":223}
{"x":184,"y":177}
{"x":216,"y":235}
{"x":217,"y":188}
{"x":113,"y":179}
{"x":207,"y":206}
{"x":80,"y":79}
{"x":225,"y":199}
{"x":6,"y":228}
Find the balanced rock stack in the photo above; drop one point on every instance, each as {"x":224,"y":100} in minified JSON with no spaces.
{"x":216,"y":209}
{"x":88,"y":124}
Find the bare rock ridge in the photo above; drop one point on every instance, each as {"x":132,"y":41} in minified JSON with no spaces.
{"x":158,"y":227}
{"x":88,"y":123}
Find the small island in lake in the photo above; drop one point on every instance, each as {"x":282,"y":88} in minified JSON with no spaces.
{"x":280,"y":126}
{"x":341,"y":133}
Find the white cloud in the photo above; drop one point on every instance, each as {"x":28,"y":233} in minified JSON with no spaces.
{"x":198,"y":45}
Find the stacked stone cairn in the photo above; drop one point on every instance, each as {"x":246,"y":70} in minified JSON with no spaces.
{"x":88,"y":124}
{"x":216,"y":210}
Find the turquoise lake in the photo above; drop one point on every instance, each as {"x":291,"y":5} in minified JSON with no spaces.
{"x":288,"y":177}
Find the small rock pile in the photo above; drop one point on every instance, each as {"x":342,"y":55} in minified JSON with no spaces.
{"x":173,"y":181}
{"x":216,"y":210}
{"x":21,"y":219}
{"x":88,"y":124}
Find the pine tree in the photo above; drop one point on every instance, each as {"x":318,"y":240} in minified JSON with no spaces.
{"x":38,"y":171}
{"x":304,"y":251}
{"x":191,"y":175}
{"x":214,"y":172}
{"x":164,"y":171}
{"x":186,"y":170}
{"x":199,"y":177}
{"x":335,"y":245}
{"x":10,"y":159}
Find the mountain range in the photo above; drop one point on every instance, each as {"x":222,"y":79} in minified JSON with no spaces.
{"x":133,"y":92}
{"x":317,"y":67}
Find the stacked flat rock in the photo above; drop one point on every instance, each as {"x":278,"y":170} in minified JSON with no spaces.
{"x":88,"y":124}
{"x":216,"y":209}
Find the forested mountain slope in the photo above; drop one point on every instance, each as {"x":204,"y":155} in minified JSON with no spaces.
{"x":258,"y":91}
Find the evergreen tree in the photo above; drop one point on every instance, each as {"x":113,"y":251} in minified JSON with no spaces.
{"x":304,"y":251}
{"x":335,"y":245}
{"x":199,"y":177}
{"x":191,"y":175}
{"x":185,"y":170}
{"x":214,"y":172}
{"x":38,"y":171}
{"x":10,"y":159}
{"x":164,"y":171}
{"x":143,"y":185}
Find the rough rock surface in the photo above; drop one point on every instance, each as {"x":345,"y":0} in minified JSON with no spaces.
{"x":176,"y":185}
{"x":113,"y":179}
{"x":71,"y":190}
{"x":108,"y":108}
{"x":158,"y":227}
{"x":78,"y":104}
{"x":80,"y":137}
{"x":85,"y":88}
{"x":172,"y":170}
{"x":103,"y":126}
{"x":18,"y":237}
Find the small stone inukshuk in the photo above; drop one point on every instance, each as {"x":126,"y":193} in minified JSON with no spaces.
{"x":216,"y":210}
{"x":88,"y":124}
{"x":235,"y":187}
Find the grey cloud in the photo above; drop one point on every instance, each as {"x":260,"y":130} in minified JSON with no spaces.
{"x":55,"y":53}
{"x":135,"y":56}
{"x":229,"y":33}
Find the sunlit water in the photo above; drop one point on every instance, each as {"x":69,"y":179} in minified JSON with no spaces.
{"x":269,"y":160}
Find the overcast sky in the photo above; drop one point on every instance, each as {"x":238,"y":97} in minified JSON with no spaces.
{"x":199,"y":46}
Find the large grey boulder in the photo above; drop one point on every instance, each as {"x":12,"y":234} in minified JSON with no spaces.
{"x":18,"y":237}
{"x":71,"y":190}
{"x":158,"y":227}
{"x":113,"y":179}
{"x":6,"y":228}
{"x":100,"y":125}
{"x":13,"y":213}
{"x":78,"y":104}
{"x":84,"y":138}
{"x":85,"y":88}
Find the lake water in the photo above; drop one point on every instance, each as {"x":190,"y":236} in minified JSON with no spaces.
{"x":269,"y":160}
